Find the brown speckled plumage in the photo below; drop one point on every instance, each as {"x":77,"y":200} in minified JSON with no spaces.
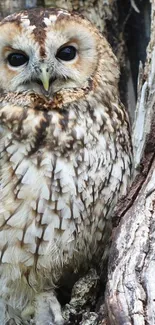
{"x":65,"y":158}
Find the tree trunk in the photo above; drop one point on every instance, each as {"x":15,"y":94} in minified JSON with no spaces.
{"x":130,"y":289}
{"x":130,"y":294}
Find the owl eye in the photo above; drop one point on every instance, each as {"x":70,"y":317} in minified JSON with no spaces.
{"x":66,"y":53}
{"x":17,"y":59}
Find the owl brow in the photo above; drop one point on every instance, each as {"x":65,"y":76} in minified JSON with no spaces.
{"x":11,"y":49}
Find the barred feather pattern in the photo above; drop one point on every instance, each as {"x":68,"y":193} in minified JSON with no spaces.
{"x":64,"y":163}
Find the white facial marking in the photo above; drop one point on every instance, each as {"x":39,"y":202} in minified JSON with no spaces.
{"x":63,"y":12}
{"x":50,"y":20}
{"x":26,"y":23}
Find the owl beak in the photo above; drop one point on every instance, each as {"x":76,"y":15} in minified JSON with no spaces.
{"x":45,"y":78}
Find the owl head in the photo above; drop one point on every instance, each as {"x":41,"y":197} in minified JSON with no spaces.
{"x":47,"y":50}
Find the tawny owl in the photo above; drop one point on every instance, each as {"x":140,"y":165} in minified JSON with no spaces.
{"x":65,"y":157}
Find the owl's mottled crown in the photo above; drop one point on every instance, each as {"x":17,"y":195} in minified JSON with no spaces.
{"x":39,"y":19}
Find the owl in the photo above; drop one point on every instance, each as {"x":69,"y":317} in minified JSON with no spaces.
{"x":65,"y":157}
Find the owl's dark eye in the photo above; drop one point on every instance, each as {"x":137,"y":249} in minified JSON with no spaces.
{"x":17,"y":59}
{"x":66,"y":53}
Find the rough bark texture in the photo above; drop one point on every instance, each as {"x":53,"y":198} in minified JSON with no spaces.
{"x":130,"y":295}
{"x":130,"y":292}
{"x":7,"y":7}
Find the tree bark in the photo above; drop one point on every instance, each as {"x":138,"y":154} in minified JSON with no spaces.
{"x":130,"y":295}
{"x":8,"y":7}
